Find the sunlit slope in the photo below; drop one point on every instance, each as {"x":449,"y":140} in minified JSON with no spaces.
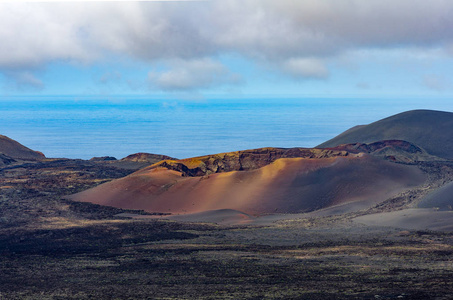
{"x":287,"y":185}
{"x":428,"y":129}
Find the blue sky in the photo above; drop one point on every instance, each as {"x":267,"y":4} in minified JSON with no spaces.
{"x":228,"y":48}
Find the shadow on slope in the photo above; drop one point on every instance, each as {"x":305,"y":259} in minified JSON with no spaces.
{"x":428,"y":129}
{"x":288,"y":185}
{"x":441,"y":198}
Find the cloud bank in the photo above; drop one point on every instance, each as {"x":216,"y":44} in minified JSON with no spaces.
{"x":195,"y":74}
{"x":296,"y":37}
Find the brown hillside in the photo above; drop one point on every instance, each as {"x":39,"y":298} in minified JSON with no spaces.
{"x":14,"y":149}
{"x":287,"y":185}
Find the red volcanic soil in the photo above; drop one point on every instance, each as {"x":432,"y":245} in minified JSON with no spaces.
{"x":287,"y":185}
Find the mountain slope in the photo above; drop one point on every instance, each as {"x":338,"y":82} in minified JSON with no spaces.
{"x":286,"y":185}
{"x":431,"y":130}
{"x":441,"y":199}
{"x":13,"y":149}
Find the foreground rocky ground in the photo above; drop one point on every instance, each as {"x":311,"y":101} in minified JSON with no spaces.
{"x":52,"y":248}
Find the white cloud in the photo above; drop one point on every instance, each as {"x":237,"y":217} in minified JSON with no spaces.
{"x":305,"y":68}
{"x":295,"y":36}
{"x":287,"y":29}
{"x":32,"y":35}
{"x":194,"y":74}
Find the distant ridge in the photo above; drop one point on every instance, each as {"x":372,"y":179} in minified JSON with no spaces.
{"x":147,"y":157}
{"x":429,"y":129}
{"x":11,"y":148}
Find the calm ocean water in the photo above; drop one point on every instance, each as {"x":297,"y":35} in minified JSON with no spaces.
{"x":62,"y":127}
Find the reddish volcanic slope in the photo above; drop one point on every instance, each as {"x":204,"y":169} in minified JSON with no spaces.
{"x":282,"y":185}
{"x":14,"y":149}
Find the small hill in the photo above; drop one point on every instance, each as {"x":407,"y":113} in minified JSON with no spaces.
{"x":260,"y":181}
{"x":428,"y":129}
{"x":103,"y":158}
{"x":146,"y":158}
{"x":131,"y":162}
{"x":13,"y":149}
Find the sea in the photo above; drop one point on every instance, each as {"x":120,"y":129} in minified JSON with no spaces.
{"x":78,"y":127}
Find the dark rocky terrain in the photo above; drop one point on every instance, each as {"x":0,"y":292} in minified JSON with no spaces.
{"x":149,"y":158}
{"x":55,"y":248}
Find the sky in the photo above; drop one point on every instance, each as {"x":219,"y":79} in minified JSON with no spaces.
{"x":227,"y":48}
